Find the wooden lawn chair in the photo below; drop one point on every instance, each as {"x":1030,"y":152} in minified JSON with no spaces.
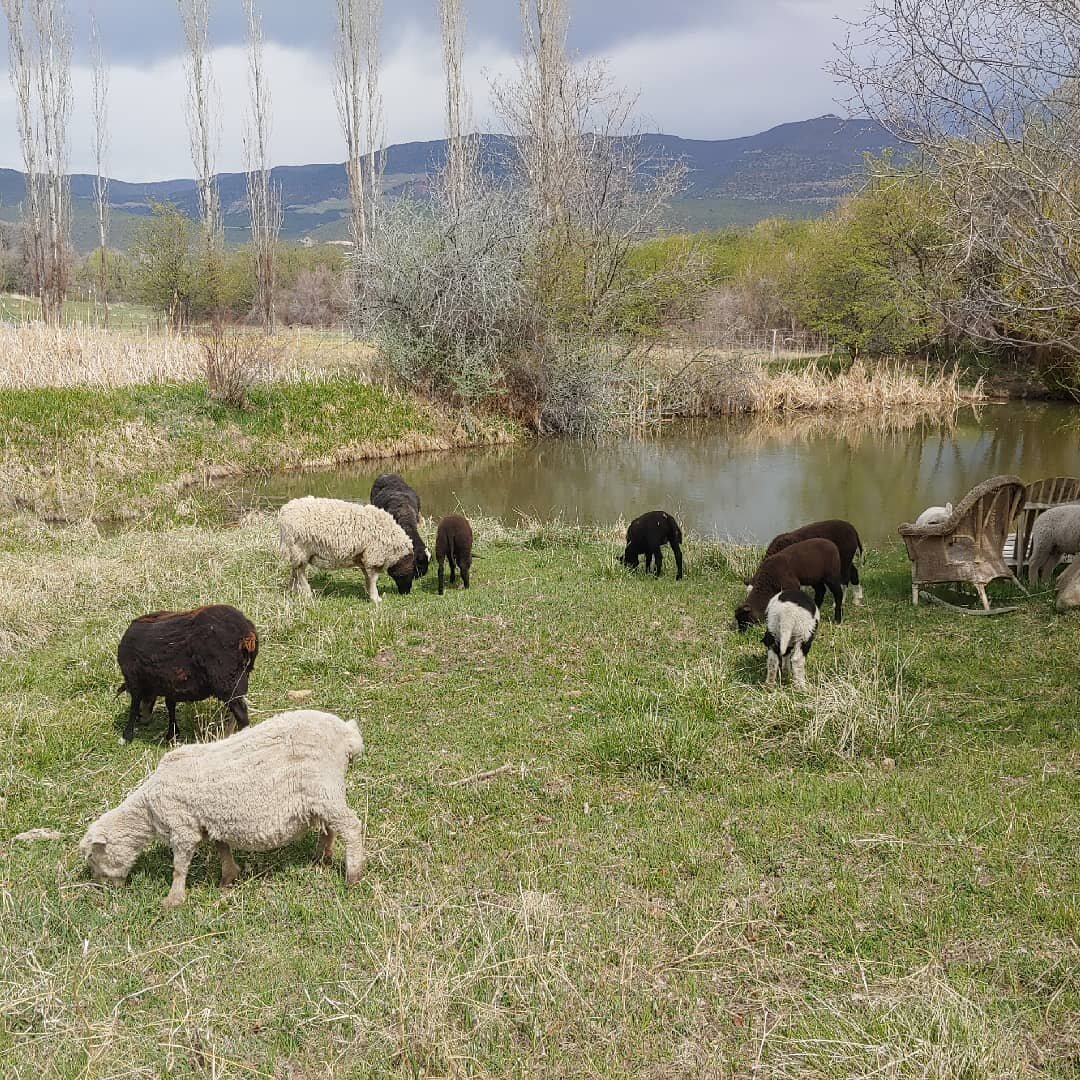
{"x":968,"y":546}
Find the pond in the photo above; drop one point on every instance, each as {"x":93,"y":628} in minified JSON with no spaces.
{"x":743,"y":478}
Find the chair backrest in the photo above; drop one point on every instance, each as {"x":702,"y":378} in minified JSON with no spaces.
{"x":1051,"y":491}
{"x":986,"y":513}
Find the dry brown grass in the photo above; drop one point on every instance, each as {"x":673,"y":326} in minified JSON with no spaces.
{"x":34,"y":355}
{"x":677,"y":381}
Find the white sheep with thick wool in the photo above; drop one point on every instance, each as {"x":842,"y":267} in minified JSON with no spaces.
{"x":791,"y":621}
{"x":256,"y":790}
{"x":1055,"y":534}
{"x":336,"y":533}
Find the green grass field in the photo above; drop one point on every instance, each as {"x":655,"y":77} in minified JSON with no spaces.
{"x":147,"y":451}
{"x":17,"y":308}
{"x":680,"y":873}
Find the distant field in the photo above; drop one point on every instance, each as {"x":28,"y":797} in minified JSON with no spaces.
{"x":17,"y":308}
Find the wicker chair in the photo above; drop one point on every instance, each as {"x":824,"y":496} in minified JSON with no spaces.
{"x":1040,"y":497}
{"x":968,"y":546}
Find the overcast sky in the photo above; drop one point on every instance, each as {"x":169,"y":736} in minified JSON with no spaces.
{"x":708,"y":69}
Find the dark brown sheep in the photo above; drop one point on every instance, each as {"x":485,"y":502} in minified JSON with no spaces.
{"x":453,"y":544}
{"x":810,"y":562}
{"x":391,"y":493}
{"x":842,"y":533}
{"x":646,"y":535}
{"x":187,"y":656}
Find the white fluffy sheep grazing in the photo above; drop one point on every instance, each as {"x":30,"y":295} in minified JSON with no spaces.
{"x":791,"y":621}
{"x":935,"y":515}
{"x":256,"y":790}
{"x":333,"y":533}
{"x":1056,"y":533}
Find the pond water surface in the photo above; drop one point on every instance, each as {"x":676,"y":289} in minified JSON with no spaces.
{"x":742,"y":478}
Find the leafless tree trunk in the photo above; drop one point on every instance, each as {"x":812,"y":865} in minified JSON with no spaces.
{"x":264,"y":197}
{"x":41,"y":77}
{"x":100,"y":109}
{"x":359,"y":103}
{"x":21,"y":63}
{"x":202,"y":117}
{"x":461,"y":145}
{"x":989,"y":90}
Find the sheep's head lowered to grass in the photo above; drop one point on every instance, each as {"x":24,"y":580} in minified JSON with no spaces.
{"x":110,"y":852}
{"x":404,"y":573}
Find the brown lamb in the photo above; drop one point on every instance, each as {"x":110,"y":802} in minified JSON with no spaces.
{"x":842,"y":533}
{"x":815,"y":563}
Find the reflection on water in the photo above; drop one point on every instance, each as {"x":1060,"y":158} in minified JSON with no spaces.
{"x":740,"y":477}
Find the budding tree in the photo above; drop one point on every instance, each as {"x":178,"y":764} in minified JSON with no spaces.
{"x":989,"y":91}
{"x":359,"y":103}
{"x":461,"y":145}
{"x":40,"y":72}
{"x":594,"y":187}
{"x":203,"y":120}
{"x":264,"y":197}
{"x":99,"y":101}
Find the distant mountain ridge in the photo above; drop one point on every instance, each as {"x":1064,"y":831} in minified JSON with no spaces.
{"x":798,"y":168}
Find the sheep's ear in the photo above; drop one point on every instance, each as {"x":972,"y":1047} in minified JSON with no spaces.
{"x":97,"y":847}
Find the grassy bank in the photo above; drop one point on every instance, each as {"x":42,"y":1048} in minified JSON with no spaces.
{"x":679,"y":874}
{"x":131,"y":451}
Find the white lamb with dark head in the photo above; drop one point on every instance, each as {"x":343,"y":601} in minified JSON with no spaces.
{"x":1055,"y":534}
{"x":791,"y":621}
{"x":335,"y":533}
{"x":255,"y":790}
{"x":935,"y":515}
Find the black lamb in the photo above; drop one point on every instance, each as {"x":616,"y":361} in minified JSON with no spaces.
{"x":647,"y":534}
{"x":187,"y":656}
{"x":392,"y":494}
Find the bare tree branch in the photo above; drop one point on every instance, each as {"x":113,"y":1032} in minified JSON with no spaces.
{"x":264,"y":197}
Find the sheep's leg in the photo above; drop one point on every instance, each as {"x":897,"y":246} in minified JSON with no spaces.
{"x":133,"y":715}
{"x":819,"y":594}
{"x":797,"y":667}
{"x":343,"y":821}
{"x":324,"y":848}
{"x":299,"y":582}
{"x":856,"y":587}
{"x":453,"y":568}
{"x":372,"y":583}
{"x":183,"y":850}
{"x":837,"y":591}
{"x":983,"y":597}
{"x":772,"y":668}
{"x":915,"y":594}
{"x":170,"y":704}
{"x":441,"y":576}
{"x":229,"y":869}
{"x":676,"y":550}
{"x":658,"y":558}
{"x":465,"y":576}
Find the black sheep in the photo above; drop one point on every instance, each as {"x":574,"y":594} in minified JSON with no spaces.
{"x":810,"y":562}
{"x":647,"y":534}
{"x":187,"y":656}
{"x":842,"y":533}
{"x":453,"y":544}
{"x":392,"y":494}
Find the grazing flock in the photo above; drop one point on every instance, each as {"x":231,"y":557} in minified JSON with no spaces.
{"x":263,"y":786}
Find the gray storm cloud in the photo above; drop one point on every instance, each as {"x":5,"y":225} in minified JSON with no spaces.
{"x":701,"y":69}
